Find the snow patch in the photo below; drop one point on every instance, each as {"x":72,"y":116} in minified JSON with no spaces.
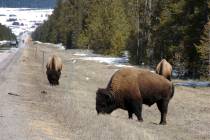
{"x":109,"y":60}
{"x":117,"y":61}
{"x":193,"y":84}
{"x":38,"y":42}
{"x":60,"y":46}
{"x":80,"y":54}
{"x":3,"y":42}
{"x":121,"y":65}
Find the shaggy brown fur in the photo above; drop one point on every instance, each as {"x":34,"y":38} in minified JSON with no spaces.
{"x":129,"y":88}
{"x":54,"y":67}
{"x":165,"y":69}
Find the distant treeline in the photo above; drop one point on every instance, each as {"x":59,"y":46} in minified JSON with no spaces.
{"x":6,"y":33}
{"x":177,"y":30}
{"x":28,"y":3}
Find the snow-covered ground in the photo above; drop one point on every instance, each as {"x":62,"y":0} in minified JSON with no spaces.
{"x":2,"y":42}
{"x":60,"y":46}
{"x":117,"y":61}
{"x":23,"y":19}
{"x":191,"y":83}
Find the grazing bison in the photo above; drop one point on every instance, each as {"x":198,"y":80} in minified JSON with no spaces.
{"x":129,"y":88}
{"x":165,"y":69}
{"x":54,"y":67}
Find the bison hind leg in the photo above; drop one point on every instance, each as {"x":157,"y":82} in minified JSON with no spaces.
{"x":163,"y":108}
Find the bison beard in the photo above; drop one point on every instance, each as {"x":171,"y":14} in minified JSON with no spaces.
{"x":129,"y":88}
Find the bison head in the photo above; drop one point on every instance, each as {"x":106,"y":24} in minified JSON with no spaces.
{"x":53,"y":76}
{"x":104,"y":101}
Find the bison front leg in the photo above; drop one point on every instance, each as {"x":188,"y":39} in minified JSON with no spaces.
{"x":137,"y":107}
{"x":163,"y":108}
{"x":129,"y":107}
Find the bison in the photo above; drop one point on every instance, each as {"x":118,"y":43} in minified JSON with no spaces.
{"x":54,"y":67}
{"x":165,"y":69}
{"x":129,"y":88}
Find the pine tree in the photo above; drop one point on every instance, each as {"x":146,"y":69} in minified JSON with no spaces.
{"x":107,"y":27}
{"x":204,"y":52}
{"x":204,"y":47}
{"x":6,"y":33}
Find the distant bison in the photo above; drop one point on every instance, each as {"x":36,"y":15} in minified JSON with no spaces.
{"x":54,"y":67}
{"x":129,"y":88}
{"x":164,"y":69}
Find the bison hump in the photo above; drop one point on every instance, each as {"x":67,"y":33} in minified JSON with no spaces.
{"x":122,"y":81}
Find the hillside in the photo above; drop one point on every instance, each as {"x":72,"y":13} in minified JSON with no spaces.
{"x":28,"y":3}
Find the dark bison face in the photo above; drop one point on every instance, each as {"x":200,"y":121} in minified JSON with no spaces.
{"x":104,"y":101}
{"x":53,"y":76}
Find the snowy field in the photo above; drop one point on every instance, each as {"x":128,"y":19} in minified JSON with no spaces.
{"x":117,"y":61}
{"x":60,"y":46}
{"x":23,"y":19}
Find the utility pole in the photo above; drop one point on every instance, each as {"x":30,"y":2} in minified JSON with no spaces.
{"x":208,"y":25}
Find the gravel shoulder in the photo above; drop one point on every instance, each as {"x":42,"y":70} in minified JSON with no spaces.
{"x":68,"y":111}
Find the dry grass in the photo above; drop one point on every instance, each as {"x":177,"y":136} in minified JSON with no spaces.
{"x":72,"y":104}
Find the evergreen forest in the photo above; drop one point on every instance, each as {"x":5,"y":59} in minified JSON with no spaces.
{"x":150,"y":30}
